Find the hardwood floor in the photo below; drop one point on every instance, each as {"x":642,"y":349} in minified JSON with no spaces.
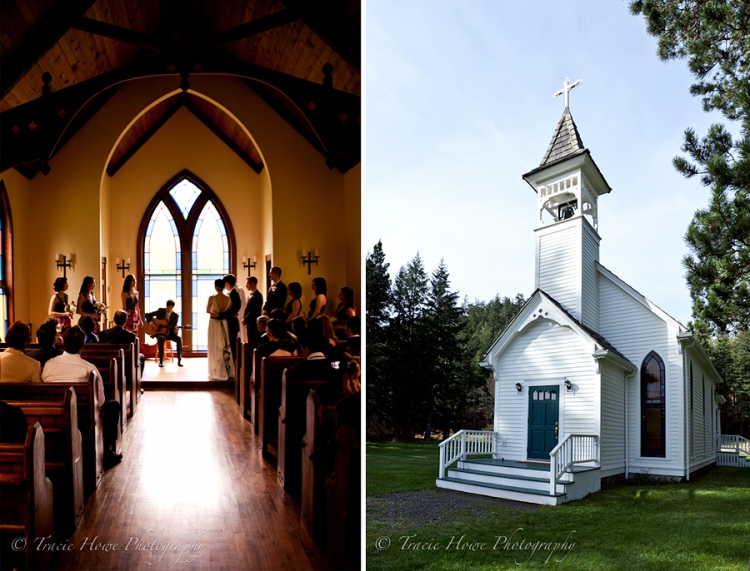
{"x":191,"y":492}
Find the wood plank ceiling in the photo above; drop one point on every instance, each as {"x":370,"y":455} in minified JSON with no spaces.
{"x":115,"y":34}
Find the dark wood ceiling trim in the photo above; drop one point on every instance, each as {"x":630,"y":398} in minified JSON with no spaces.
{"x":118,"y":33}
{"x":112,"y":169}
{"x":56,"y":21}
{"x":252,"y":28}
{"x":323,"y":18}
{"x":257,"y":167}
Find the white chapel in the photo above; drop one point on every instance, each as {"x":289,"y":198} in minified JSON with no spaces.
{"x":592,"y":380}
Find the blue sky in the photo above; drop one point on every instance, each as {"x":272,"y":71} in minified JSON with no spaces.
{"x":459,"y":105}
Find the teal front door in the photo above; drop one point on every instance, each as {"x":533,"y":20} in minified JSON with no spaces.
{"x":543,"y":421}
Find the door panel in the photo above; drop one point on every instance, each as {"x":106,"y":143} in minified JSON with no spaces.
{"x":543,"y":420}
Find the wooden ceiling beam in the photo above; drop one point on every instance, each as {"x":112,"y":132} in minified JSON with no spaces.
{"x":252,"y":28}
{"x":323,"y":18}
{"x":53,"y":26}
{"x":119,"y":33}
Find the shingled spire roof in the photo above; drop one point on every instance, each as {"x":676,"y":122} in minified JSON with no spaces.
{"x":566,"y":141}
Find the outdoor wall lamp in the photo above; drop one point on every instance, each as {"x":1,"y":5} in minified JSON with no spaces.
{"x":568,"y":384}
{"x":519,"y":387}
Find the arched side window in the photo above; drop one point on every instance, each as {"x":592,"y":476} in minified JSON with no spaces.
{"x":6,"y":262}
{"x":653,"y":408}
{"x":186,"y":242}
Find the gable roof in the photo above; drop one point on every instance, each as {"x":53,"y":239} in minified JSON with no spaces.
{"x":592,"y":335}
{"x":566,"y":141}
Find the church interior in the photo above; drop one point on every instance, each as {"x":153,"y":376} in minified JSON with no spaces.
{"x":179,"y":141}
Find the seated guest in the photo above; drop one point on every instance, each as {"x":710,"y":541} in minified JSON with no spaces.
{"x":353,"y":342}
{"x":119,"y":335}
{"x":279,"y":344}
{"x":261,"y":323}
{"x":314,"y":336}
{"x":88,"y":325}
{"x":71,"y":367}
{"x":13,"y":424}
{"x":46,"y":335}
{"x":279,"y":314}
{"x":328,"y":329}
{"x":15,"y":366}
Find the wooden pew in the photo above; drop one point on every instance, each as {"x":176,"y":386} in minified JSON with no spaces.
{"x":343,"y":489}
{"x":292,"y":426}
{"x":63,"y":457}
{"x":244,"y":378}
{"x":112,"y":372}
{"x":237,"y":367}
{"x":254,"y":390}
{"x":320,"y":425}
{"x":26,"y":500}
{"x":131,"y":367}
{"x":89,"y":421}
{"x":269,"y":401}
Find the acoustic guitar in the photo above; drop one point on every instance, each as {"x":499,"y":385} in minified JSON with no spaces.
{"x":156,"y":327}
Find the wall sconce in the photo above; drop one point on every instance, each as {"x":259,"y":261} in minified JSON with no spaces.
{"x":64,"y":262}
{"x":519,"y":387}
{"x":122,"y":267}
{"x":247,"y":265}
{"x":568,"y":384}
{"x":312,"y":258}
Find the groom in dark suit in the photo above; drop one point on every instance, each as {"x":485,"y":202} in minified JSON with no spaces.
{"x":276,"y":293}
{"x":233,"y":322}
{"x":253,"y":309}
{"x":167,"y":314}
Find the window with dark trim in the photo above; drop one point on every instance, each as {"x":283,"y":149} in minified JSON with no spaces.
{"x":6,"y":262}
{"x":653,"y":410}
{"x":185,"y":243}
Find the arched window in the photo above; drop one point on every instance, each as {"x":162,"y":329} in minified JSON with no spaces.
{"x":186,"y":243}
{"x":653,"y":377}
{"x":6,"y":263}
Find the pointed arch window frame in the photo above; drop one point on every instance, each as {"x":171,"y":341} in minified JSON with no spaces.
{"x":645,"y":451}
{"x":6,"y":278}
{"x":185,"y":229}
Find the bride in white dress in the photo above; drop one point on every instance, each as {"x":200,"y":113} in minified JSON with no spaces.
{"x":220,"y":364}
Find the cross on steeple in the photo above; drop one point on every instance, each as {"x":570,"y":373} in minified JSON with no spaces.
{"x":567,"y":86}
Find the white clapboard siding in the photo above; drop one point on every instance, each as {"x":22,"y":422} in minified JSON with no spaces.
{"x":635,"y":330}
{"x":546,"y":350}
{"x":701,"y":423}
{"x":589,"y":277}
{"x":613,"y":420}
{"x":559,"y":265}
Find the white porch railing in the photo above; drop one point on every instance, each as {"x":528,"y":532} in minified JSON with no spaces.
{"x":574,"y":449}
{"x":732,"y":450}
{"x":466,"y":443}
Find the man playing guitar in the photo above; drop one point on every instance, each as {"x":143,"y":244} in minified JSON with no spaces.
{"x":162,"y":324}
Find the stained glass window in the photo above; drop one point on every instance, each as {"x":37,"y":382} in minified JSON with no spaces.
{"x":185,"y":193}
{"x":210,"y":261}
{"x":653,"y":437}
{"x":162,"y":263}
{"x":4,"y":318}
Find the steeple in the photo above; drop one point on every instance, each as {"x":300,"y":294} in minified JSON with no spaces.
{"x":568,"y":185}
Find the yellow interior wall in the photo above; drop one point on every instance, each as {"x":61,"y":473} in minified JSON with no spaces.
{"x":183,"y":143}
{"x":17,"y":187}
{"x":294,"y":205}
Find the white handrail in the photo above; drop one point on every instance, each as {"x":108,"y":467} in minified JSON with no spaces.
{"x":465,"y":443}
{"x":733,"y":442}
{"x":574,"y":448}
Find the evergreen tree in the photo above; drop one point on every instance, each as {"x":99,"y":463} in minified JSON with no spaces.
{"x":378,"y":283}
{"x":446,"y":384}
{"x":713,"y":36}
{"x":731,"y":357}
{"x":406,"y":347}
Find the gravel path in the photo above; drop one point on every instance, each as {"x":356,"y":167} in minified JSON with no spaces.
{"x":427,"y":506}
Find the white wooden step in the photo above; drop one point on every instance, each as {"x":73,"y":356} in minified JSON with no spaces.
{"x":527,"y":470}
{"x":498,"y":491}
{"x":536,"y":482}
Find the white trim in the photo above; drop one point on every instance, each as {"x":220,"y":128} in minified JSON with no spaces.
{"x":667,"y":411}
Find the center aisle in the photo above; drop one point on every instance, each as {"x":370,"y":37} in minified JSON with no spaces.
{"x":191,"y":492}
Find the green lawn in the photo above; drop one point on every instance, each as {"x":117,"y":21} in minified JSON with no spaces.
{"x":703,"y":524}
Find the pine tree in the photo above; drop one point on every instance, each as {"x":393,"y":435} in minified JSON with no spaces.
{"x":446,"y":384}
{"x":406,"y":348}
{"x":379,"y":305}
